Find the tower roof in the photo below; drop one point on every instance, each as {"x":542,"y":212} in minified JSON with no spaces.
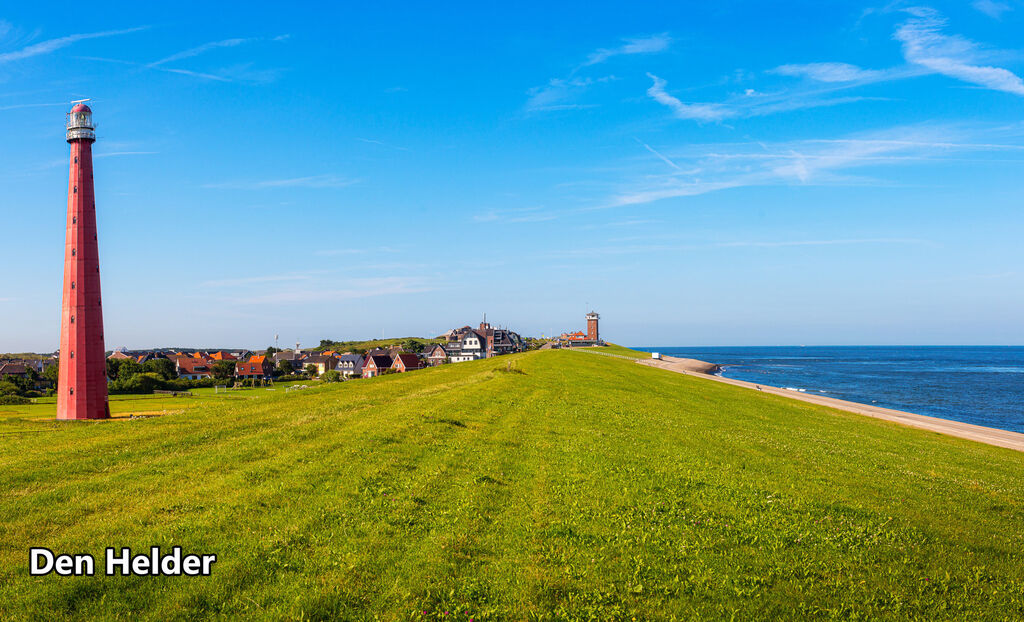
{"x":81,"y":108}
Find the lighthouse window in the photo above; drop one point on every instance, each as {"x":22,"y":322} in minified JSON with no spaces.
{"x":74,"y":220}
{"x":76,"y":189}
{"x":72,"y":319}
{"x":76,"y":159}
{"x":72,"y":285}
{"x":71,"y":390}
{"x":72,"y":354}
{"x":73,"y":252}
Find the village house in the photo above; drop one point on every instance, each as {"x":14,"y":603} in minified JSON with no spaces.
{"x":469,"y":344}
{"x":470,"y":347}
{"x":321,"y":362}
{"x":406,"y":362}
{"x":434,"y":354}
{"x":191,"y":368}
{"x":376,"y":364}
{"x":13,"y":368}
{"x":350,"y":365}
{"x":256,"y":368}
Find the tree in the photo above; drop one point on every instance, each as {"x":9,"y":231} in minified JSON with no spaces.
{"x":163,"y":367}
{"x":51,"y":372}
{"x":223,"y":370}
{"x":113,"y":366}
{"x":331,"y":376}
{"x":326,"y":343}
{"x":128,"y":369}
{"x":285,"y":367}
{"x":271,"y":351}
{"x":311,"y":370}
{"x":412,"y":345}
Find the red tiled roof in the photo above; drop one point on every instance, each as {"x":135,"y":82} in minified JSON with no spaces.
{"x":409,"y":361}
{"x":188,"y":365}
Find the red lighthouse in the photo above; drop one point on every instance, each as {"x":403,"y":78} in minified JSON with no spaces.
{"x":82,"y":383}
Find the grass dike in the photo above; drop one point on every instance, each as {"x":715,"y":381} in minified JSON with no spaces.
{"x":545,"y":485}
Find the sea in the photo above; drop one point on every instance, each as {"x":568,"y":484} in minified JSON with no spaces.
{"x":983,"y":385}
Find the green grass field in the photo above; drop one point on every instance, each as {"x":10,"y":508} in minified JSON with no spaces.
{"x":571,"y":487}
{"x":45,"y":408}
{"x":612,"y":348}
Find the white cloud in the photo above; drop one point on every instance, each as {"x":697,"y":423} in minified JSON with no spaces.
{"x":659,"y":155}
{"x":991,"y":7}
{"x":925,"y":45}
{"x":697,"y":112}
{"x":381,"y":143}
{"x":199,"y":49}
{"x":184,"y":72}
{"x":643,"y":45}
{"x":711,"y":168}
{"x":52,"y":45}
{"x":16,"y":106}
{"x":748,"y":104}
{"x":558,"y":93}
{"x":830,"y":72}
{"x":561,"y":93}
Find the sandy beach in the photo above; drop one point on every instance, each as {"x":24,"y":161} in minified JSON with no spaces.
{"x":991,"y":436}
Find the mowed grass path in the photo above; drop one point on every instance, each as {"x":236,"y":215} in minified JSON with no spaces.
{"x":572,"y":487}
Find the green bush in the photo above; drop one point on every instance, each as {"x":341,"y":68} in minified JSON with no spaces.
{"x":14,"y":400}
{"x":331,"y":376}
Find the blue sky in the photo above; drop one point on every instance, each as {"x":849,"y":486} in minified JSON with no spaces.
{"x":701,"y":174}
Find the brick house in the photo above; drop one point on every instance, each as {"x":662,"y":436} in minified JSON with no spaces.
{"x":406,"y":362}
{"x":434,"y":354}
{"x":256,"y":368}
{"x":192,"y":368}
{"x":376,"y":364}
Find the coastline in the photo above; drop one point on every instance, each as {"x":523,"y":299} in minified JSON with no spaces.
{"x":981,"y":434}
